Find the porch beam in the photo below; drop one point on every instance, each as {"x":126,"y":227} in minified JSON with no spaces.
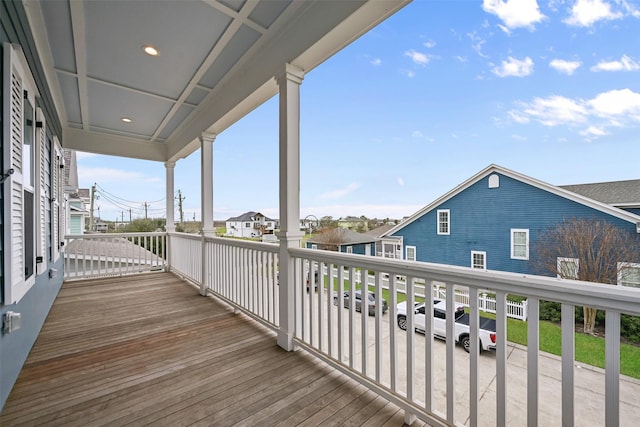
{"x":206,"y":202}
{"x":290,"y":236}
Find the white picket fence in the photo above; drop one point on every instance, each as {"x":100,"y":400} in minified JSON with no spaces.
{"x":515,"y":309}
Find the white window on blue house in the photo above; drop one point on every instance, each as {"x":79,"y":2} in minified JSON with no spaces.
{"x":349,"y":249}
{"x":410,"y":253}
{"x":519,"y":243}
{"x":629,"y":274}
{"x":479,"y":260}
{"x":568,"y":268}
{"x":444,"y":222}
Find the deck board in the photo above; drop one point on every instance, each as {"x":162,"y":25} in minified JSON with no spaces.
{"x":148,"y":349}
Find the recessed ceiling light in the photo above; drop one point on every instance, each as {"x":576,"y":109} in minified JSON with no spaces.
{"x":126,"y":119}
{"x":150,"y":50}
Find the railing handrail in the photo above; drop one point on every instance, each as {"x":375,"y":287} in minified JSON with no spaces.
{"x":574,"y":292}
{"x":97,"y":236}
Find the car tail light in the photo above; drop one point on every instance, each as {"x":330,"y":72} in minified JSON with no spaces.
{"x":493,"y":338}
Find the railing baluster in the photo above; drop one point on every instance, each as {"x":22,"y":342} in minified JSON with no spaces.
{"x":612,"y":368}
{"x":393,"y":346}
{"x":450,"y":345}
{"x":352,"y":314}
{"x":378,"y":320}
{"x":474,"y":353}
{"x":568,"y":322}
{"x":501,"y":360}
{"x":533,"y":345}
{"x":410,"y":375}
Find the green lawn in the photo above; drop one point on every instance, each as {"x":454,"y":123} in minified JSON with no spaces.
{"x":589,"y":349}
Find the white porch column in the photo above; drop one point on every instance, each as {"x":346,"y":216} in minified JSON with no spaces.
{"x":290,"y":235}
{"x":171,"y":223}
{"x":206,"y":202}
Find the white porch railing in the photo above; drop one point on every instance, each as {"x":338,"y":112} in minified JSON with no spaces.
{"x":436,"y":382}
{"x":99,"y":255}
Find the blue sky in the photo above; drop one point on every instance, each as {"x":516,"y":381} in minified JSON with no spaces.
{"x":421,"y":103}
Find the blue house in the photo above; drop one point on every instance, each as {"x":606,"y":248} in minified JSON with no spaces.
{"x":492,"y":220}
{"x":344,"y":240}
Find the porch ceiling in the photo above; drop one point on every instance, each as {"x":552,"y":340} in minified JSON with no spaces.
{"x":217,"y":61}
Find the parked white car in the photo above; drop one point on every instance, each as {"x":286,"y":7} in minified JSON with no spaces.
{"x":487,"y":332}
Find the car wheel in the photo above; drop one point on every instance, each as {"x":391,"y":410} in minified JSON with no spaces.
{"x":466,"y":344}
{"x":402,"y":322}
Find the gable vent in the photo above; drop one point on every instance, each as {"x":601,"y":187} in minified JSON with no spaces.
{"x":494,"y":181}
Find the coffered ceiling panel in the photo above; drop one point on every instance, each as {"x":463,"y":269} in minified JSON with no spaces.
{"x":216,"y":61}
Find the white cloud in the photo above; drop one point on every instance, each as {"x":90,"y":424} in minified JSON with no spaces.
{"x":614,"y":108}
{"x":625,"y":64}
{"x":514,"y":68}
{"x":556,"y":110}
{"x":585,"y":13}
{"x":617,"y":103}
{"x":514,"y":13}
{"x":593,"y":132}
{"x":376,"y":62}
{"x":476,"y":44}
{"x":519,"y":137}
{"x":429,"y":44}
{"x":418,"y":58}
{"x":417,"y":134}
{"x":408,"y":73}
{"x":565,"y":67}
{"x":341,"y":192}
{"x":400,"y":181}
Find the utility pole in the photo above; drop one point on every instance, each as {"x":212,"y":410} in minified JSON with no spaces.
{"x":129,"y":215}
{"x":93,"y":197}
{"x":146,"y":205}
{"x":180,"y":199}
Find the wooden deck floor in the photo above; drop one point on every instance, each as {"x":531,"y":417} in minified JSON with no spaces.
{"x":149,"y":349}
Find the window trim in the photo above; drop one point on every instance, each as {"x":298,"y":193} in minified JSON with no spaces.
{"x":576,"y":261}
{"x":484,"y":259}
{"x":622,"y":266}
{"x":513,"y":243}
{"x":448,"y":222}
{"x":406,"y":253}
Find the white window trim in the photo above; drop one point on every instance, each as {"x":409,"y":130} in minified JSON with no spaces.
{"x":349,"y":249}
{"x":448,"y":212}
{"x":406,"y":253}
{"x":484,"y":258}
{"x":623,"y":265}
{"x":520,"y":230}
{"x":576,"y":261}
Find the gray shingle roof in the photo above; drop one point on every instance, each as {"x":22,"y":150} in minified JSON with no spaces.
{"x":614,"y":193}
{"x":247,"y":217}
{"x":348,"y":237}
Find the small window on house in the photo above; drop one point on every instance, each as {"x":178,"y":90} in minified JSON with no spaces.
{"x":519,"y":243}
{"x":410,"y":253}
{"x":247,"y":225}
{"x":443,"y":221}
{"x":314,"y":246}
{"x":479,"y":260}
{"x":568,"y":268}
{"x":349,"y":249}
{"x":494,"y":181}
{"x":629,"y":274}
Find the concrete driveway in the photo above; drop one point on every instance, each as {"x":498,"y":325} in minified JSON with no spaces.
{"x":589,"y":382}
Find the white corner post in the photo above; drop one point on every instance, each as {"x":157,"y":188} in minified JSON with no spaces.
{"x":289,"y":186}
{"x":170,"y":224}
{"x":206,"y":204}
{"x":170,"y":207}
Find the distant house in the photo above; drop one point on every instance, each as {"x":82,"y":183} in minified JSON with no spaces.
{"x":353,"y":223}
{"x":343,"y":240}
{"x":250,"y":224}
{"x":492,"y":220}
{"x":78,"y":211}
